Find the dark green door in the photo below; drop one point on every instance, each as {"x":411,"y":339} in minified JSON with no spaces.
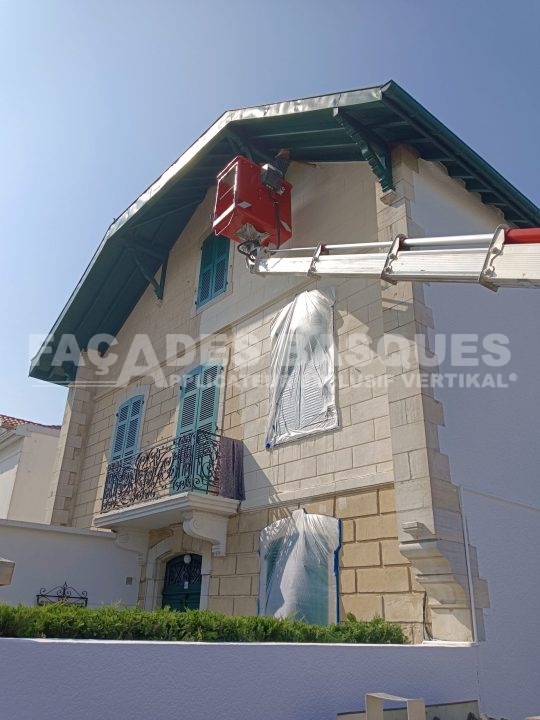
{"x":182,"y":586}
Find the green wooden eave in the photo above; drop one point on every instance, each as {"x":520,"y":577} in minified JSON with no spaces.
{"x":343,"y":127}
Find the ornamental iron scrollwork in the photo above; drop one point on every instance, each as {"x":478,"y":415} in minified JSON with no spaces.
{"x":182,"y":570}
{"x":188,"y":462}
{"x":62,"y":594}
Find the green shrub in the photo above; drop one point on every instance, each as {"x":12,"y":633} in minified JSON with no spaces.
{"x":59,"y":620}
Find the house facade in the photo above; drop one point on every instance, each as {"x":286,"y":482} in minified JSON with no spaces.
{"x":174,"y":435}
{"x":27,"y":455}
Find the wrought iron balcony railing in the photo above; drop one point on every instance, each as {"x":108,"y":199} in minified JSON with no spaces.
{"x":188,"y":462}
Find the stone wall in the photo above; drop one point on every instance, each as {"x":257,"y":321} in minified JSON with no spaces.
{"x":374,"y":578}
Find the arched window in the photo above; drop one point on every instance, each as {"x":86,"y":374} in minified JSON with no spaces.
{"x":182,"y":585}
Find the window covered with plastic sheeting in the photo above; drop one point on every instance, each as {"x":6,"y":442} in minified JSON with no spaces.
{"x":299,"y":568}
{"x":302,"y":373}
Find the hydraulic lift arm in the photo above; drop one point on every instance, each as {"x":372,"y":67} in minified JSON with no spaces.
{"x":506,"y":258}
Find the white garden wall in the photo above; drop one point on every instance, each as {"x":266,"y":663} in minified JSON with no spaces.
{"x":140,"y":681}
{"x":507,"y":538}
{"x":46,"y":556}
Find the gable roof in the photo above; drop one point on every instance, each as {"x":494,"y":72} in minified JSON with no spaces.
{"x":113,"y":282}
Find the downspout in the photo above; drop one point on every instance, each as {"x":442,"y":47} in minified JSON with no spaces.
{"x":468,"y":566}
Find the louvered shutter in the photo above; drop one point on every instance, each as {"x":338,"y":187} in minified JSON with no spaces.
{"x":199,"y":399}
{"x":189,"y":402}
{"x":128,"y":420}
{"x":206,"y":273}
{"x":221,"y":264}
{"x":120,"y":433}
{"x":214,"y":268}
{"x":132,"y":434}
{"x":209,"y":397}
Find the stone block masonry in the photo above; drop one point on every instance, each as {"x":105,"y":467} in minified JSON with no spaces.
{"x":374,"y":578}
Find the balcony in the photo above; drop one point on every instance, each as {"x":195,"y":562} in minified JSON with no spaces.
{"x":195,"y":479}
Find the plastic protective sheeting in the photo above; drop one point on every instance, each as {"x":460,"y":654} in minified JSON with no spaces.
{"x":302,"y":373}
{"x":298,"y":574}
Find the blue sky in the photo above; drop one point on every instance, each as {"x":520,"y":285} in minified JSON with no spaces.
{"x":98,"y":98}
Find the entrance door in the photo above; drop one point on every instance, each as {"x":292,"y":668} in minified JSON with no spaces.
{"x":182,"y":586}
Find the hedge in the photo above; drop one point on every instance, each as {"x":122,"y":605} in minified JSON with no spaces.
{"x":59,"y":620}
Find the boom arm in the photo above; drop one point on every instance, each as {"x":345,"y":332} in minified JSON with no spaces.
{"x":506,"y":258}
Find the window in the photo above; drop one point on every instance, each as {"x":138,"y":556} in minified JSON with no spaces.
{"x":127,"y":431}
{"x":199,"y":399}
{"x":302,"y":393}
{"x":298,"y":568}
{"x":197,"y":423}
{"x":214,"y":268}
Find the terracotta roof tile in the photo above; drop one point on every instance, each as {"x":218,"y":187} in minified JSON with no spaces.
{"x":10,"y":423}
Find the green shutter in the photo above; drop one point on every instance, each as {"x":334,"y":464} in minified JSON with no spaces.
{"x":199,"y":399}
{"x":206,"y":272}
{"x":198,"y":409}
{"x":189,"y":402}
{"x":209,"y":397}
{"x":214,"y":268}
{"x":126,"y":435}
{"x":221,"y":264}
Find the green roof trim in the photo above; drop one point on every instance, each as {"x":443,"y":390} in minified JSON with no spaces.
{"x":113,"y":282}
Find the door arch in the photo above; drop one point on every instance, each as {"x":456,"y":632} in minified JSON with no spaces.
{"x":182,"y":584}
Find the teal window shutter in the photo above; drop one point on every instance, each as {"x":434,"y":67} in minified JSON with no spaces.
{"x":221,"y":264}
{"x":199,"y":399}
{"x":206,"y":272}
{"x":189,"y":402}
{"x":214,"y":268}
{"x":209,"y":397}
{"x":126,"y":434}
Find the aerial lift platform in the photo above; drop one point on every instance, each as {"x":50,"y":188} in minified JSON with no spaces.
{"x":253,"y":208}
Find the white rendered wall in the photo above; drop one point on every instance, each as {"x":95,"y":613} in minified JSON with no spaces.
{"x":9,"y":461}
{"x":491,"y":434}
{"x":26,"y":462}
{"x":507,"y":537}
{"x":491,"y":437}
{"x":46,"y":556}
{"x":29,"y":499}
{"x":140,"y":681}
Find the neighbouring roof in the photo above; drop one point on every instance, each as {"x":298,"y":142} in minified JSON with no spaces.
{"x":113,"y":282}
{"x":10,"y":423}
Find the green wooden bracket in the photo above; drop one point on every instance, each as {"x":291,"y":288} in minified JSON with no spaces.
{"x":373,"y":149}
{"x":238,"y":145}
{"x":138,"y":252}
{"x":252,"y":149}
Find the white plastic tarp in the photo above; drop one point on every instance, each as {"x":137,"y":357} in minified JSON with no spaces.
{"x":302,"y":373}
{"x":298,"y":573}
